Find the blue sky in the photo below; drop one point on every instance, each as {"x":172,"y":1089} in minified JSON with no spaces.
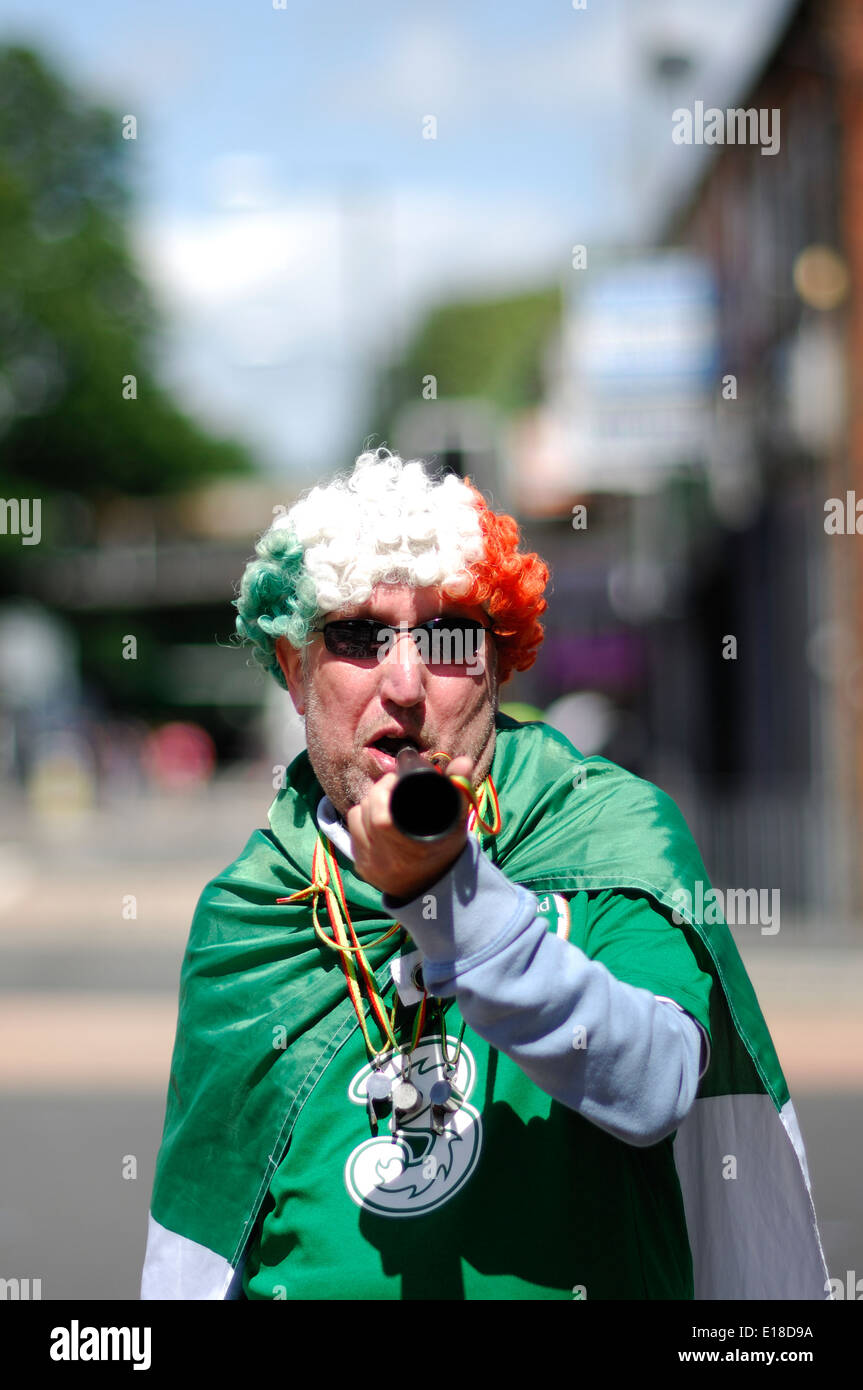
{"x":291,"y":218}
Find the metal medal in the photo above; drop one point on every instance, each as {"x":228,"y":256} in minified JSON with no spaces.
{"x":406,"y":1097}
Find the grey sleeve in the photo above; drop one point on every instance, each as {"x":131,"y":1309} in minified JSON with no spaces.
{"x":626,"y":1060}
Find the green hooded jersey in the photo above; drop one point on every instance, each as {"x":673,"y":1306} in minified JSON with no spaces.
{"x":268,"y":1048}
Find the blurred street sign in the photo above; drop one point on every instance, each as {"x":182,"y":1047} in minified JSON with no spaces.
{"x":640,"y":372}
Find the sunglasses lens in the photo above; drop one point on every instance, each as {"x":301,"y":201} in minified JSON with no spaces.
{"x":452,"y":641}
{"x":351,"y":639}
{"x":440,"y":641}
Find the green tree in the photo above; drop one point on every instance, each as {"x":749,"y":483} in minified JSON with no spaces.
{"x":492,"y":348}
{"x":75,"y":317}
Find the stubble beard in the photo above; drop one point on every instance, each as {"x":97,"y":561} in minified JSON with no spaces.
{"x":344,"y":781}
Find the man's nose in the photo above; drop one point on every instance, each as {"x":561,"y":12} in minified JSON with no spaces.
{"x":402,"y":671}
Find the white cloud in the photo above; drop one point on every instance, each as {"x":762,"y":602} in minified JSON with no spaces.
{"x":221,"y":258}
{"x":282,"y":305}
{"x":278,"y":317}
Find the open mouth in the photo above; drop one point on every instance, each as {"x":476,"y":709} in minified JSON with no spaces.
{"x":392,"y":744}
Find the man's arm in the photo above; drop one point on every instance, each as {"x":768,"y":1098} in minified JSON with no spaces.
{"x":538,"y":998}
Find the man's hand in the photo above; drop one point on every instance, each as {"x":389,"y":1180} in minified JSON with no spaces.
{"x":390,"y":861}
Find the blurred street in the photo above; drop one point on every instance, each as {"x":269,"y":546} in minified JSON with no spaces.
{"x":543,"y":252}
{"x":88,"y":1008}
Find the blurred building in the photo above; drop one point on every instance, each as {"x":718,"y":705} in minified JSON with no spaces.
{"x":141,"y":589}
{"x":783,"y":236}
{"x":692,"y":412}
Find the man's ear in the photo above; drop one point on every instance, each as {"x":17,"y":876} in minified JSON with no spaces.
{"x":291,"y":662}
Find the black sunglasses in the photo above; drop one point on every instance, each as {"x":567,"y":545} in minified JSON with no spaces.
{"x":447,"y":640}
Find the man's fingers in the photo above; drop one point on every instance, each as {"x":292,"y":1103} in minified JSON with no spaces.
{"x":371,"y":816}
{"x":378,"y":794}
{"x":460,"y":767}
{"x":376,"y":803}
{"x":356,"y":829}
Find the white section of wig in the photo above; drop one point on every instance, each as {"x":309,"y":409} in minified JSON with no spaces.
{"x":387,"y":521}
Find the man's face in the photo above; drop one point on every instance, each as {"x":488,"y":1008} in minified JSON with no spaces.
{"x":351,"y":704}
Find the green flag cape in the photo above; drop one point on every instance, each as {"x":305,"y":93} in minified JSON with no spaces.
{"x":263,"y":1009}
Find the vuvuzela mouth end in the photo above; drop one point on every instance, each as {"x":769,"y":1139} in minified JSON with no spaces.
{"x":409,"y":760}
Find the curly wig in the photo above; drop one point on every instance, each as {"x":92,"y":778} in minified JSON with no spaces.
{"x":388,"y":522}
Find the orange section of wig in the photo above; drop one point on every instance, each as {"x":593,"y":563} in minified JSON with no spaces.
{"x":509,"y":585}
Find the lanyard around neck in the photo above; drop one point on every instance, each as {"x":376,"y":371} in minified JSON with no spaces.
{"x":327,"y":879}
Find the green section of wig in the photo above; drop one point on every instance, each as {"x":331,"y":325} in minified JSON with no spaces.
{"x":277,"y":598}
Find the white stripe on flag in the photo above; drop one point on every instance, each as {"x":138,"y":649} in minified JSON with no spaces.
{"x":749,"y":1212}
{"x":176,"y":1267}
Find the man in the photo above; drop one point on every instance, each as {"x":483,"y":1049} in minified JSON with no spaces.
{"x":492,"y":1064}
